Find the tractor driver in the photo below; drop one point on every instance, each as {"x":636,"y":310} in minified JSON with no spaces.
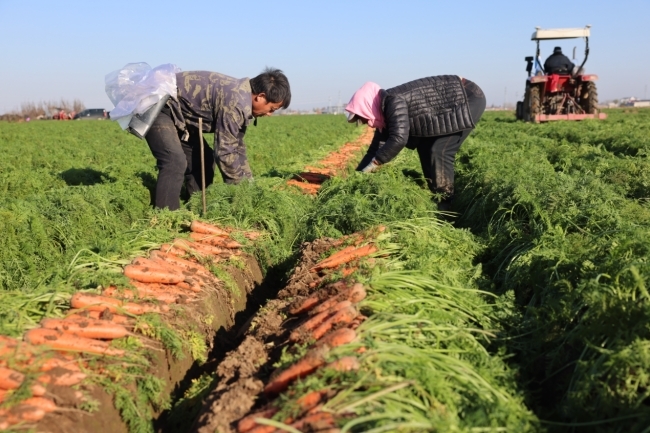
{"x":558,"y":63}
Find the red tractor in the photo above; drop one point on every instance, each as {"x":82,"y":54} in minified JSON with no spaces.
{"x":564,"y":95}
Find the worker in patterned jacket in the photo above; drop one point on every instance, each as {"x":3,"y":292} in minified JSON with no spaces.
{"x":226,"y":106}
{"x":433,"y":115}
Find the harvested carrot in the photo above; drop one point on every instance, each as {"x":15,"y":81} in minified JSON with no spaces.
{"x":252,"y":235}
{"x":192,"y":285}
{"x":354,"y":294}
{"x":346,"y":258}
{"x":98,"y":315}
{"x":201,"y":249}
{"x":183,"y":263}
{"x":216,"y":241}
{"x":343,"y":316}
{"x":147,"y":274}
{"x":337,"y":338}
{"x":263,"y":429}
{"x":174,"y":289}
{"x":41,"y":402}
{"x":21,"y":413}
{"x":55,"y":362}
{"x":248,"y":422}
{"x":208,"y":229}
{"x":311,"y":400}
{"x":89,"y":329}
{"x":327,"y":292}
{"x":12,"y":379}
{"x":305,"y":366}
{"x":318,"y":421}
{"x":62,"y":377}
{"x":114,"y":292}
{"x":101,"y":303}
{"x":347,"y":363}
{"x":63,"y":341}
{"x":313,"y":322}
{"x":336,"y":255}
{"x":170,"y":249}
{"x":143,"y":261}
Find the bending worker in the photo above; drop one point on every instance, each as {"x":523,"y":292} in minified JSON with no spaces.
{"x":226,"y":106}
{"x":433,"y":115}
{"x":558,"y":63}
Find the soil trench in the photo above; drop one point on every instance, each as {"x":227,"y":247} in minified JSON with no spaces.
{"x":240,"y":374}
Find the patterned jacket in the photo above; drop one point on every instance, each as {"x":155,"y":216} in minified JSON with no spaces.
{"x":224,"y":104}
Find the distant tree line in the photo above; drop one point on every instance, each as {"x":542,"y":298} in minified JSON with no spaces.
{"x":43,"y":110}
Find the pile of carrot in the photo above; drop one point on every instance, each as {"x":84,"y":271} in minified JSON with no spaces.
{"x":173,"y":274}
{"x":329,"y":316}
{"x":311,"y":178}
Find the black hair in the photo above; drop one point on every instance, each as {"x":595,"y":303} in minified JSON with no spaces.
{"x":274,"y":84}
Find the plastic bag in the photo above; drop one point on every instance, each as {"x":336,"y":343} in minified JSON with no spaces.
{"x":137,"y":87}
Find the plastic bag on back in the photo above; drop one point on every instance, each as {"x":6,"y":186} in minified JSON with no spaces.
{"x":137,"y":87}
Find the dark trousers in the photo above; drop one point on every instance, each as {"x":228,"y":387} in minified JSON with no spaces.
{"x":438,"y":154}
{"x":178,"y":162}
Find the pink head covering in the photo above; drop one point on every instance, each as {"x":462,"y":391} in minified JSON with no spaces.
{"x":366,"y":103}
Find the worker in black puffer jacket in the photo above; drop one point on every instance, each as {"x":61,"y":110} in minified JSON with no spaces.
{"x":433,"y":115}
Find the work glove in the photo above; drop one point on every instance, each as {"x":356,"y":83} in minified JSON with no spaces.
{"x":372,"y":166}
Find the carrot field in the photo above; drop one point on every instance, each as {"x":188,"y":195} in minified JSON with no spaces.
{"x":354,"y":307}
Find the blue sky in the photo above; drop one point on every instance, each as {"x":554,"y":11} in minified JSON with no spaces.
{"x":53,"y":50}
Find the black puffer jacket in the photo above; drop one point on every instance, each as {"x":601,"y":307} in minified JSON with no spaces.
{"x":426,"y":107}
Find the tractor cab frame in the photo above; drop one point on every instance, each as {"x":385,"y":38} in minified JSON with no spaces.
{"x":552,"y":96}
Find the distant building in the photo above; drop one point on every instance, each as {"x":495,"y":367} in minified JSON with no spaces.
{"x":641,"y":103}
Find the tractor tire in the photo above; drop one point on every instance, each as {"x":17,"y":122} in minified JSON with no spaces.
{"x":535,"y":108}
{"x":589,"y":98}
{"x":519,"y":111}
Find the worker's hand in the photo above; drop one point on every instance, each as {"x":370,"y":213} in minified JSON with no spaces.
{"x":372,"y":166}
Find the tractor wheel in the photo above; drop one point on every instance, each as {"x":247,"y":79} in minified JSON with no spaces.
{"x":535,"y":103}
{"x":519,"y":111}
{"x":589,"y":98}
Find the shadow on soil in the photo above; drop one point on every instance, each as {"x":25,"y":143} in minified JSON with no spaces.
{"x":180,"y":418}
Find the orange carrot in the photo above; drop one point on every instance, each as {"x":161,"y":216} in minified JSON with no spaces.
{"x":62,"y":377}
{"x":310,"y":400}
{"x":147,"y":274}
{"x":183,"y":263}
{"x":12,"y":379}
{"x":343,"y":316}
{"x":347,"y":363}
{"x":192,"y":285}
{"x":346,"y":258}
{"x":252,"y":235}
{"x":318,"y":421}
{"x":89,"y":329}
{"x":355,"y":294}
{"x":208,"y":229}
{"x":173,"y":289}
{"x":143,"y":261}
{"x":327,"y":292}
{"x":337,"y":338}
{"x":216,"y":241}
{"x":21,"y":413}
{"x":263,"y":429}
{"x":114,"y":292}
{"x":63,"y":341}
{"x":170,"y":249}
{"x":305,"y":366}
{"x":314,"y":321}
{"x":201,"y":249}
{"x":337,"y":255}
{"x":41,"y":402}
{"x":98,"y":315}
{"x":54,"y":362}
{"x":101,"y":303}
{"x":248,"y":422}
